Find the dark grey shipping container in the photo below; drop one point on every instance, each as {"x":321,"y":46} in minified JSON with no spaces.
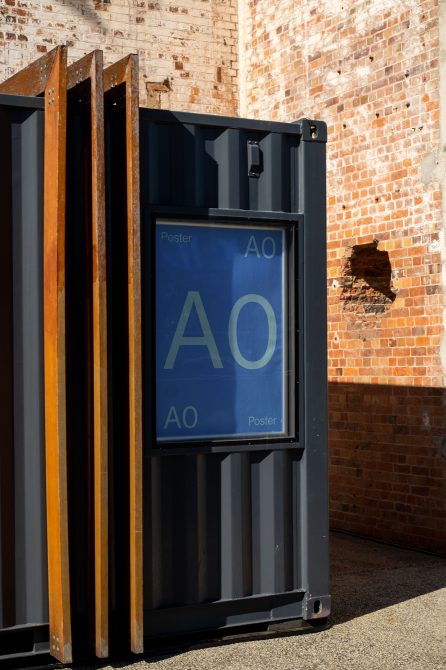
{"x":23,"y":560}
{"x":236,"y":531}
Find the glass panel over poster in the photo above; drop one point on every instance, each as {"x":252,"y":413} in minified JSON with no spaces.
{"x":221,"y":329}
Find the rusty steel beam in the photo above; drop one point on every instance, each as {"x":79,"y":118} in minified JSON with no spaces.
{"x":90,"y":69}
{"x":125,"y":72}
{"x":33,"y":79}
{"x":48,"y":76}
{"x":54,"y":347}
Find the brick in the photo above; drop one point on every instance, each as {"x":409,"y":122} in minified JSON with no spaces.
{"x":119,"y":29}
{"x":379,"y":94}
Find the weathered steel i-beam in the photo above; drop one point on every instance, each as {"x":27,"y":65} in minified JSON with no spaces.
{"x":125,"y":72}
{"x":48,"y":76}
{"x":90,"y":69}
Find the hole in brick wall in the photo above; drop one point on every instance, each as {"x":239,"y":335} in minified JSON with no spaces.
{"x":367,"y":278}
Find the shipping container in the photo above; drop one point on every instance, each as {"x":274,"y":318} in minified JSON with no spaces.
{"x":233,"y":372}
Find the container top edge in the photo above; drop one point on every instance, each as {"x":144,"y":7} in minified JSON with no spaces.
{"x":21,"y":101}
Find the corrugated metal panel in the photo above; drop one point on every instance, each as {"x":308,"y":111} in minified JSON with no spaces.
{"x":222,"y":527}
{"x":23,"y":560}
{"x":197,"y":165}
{"x":237,"y":535}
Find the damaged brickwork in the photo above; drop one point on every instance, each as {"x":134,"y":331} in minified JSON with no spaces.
{"x":371,"y":70}
{"x":366,"y":280}
{"x":187,"y":48}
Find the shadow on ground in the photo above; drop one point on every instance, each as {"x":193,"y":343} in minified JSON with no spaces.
{"x":367,"y":576}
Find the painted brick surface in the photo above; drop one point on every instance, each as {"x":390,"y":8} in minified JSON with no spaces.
{"x":187,"y":48}
{"x":370,"y":69}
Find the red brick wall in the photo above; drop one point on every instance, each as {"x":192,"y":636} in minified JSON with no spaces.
{"x":370,"y":69}
{"x":187,"y":48}
{"x":388,"y":451}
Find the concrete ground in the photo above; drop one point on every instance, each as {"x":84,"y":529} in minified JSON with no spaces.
{"x":389,"y":613}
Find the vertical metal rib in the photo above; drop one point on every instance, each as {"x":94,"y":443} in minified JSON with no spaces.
{"x":230,"y":154}
{"x":284,"y":494}
{"x":156,"y":556}
{"x":166,"y":521}
{"x":209,"y":166}
{"x":266,"y":505}
{"x":272,"y":523}
{"x":150,"y":140}
{"x":202,"y":517}
{"x":236,"y":549}
{"x":209,"y":527}
{"x":199,"y":187}
{"x":273,"y":194}
{"x":183,"y":165}
{"x":186,"y":532}
{"x":295,"y":465}
{"x":175,"y":532}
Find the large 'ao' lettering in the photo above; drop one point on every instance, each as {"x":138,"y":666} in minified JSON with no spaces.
{"x":193,"y":299}
{"x":272,"y":331}
{"x":267,"y":242}
{"x":190,"y":417}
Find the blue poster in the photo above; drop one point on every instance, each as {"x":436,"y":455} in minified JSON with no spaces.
{"x":220,"y":328}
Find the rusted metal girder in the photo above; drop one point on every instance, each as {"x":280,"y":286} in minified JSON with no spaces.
{"x":48,"y":76}
{"x":90,"y":69}
{"x":125,"y":72}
